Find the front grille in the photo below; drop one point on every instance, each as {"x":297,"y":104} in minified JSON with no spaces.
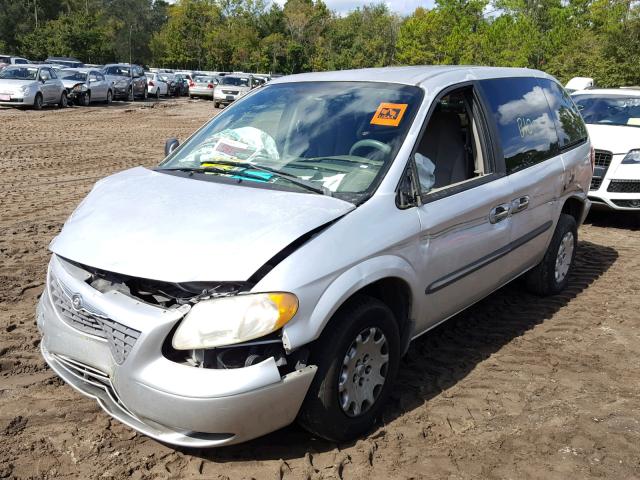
{"x":602,"y":162}
{"x":90,"y":320}
{"x":80,"y":319}
{"x":624,"y":186}
{"x":627,"y":203}
{"x":595,"y":183}
{"x":603,"y":158}
{"x":230,"y":92}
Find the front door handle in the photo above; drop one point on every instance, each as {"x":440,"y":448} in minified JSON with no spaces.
{"x":520,"y":204}
{"x":499,"y":213}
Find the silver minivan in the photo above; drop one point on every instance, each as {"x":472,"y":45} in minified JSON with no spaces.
{"x":277,"y":264}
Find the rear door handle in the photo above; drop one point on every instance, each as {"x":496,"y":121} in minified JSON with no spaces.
{"x":499,"y":213}
{"x":520,"y":204}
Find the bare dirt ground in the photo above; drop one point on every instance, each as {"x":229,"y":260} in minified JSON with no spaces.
{"x":516,"y":387}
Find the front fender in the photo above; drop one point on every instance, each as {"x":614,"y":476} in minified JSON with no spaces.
{"x":356,"y":277}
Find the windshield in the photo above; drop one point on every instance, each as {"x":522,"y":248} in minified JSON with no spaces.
{"x":205,"y":80}
{"x":19,"y":73}
{"x":235,"y":81}
{"x":118,"y":70}
{"x":71,"y":75}
{"x":337,"y":136}
{"x":609,"y":109}
{"x":5,"y":59}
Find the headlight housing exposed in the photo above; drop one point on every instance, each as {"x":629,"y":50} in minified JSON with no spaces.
{"x":633,"y":157}
{"x":81,"y":87}
{"x":25,"y":88}
{"x":229,"y":320}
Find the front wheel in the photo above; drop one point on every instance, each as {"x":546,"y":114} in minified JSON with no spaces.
{"x":130,"y":95}
{"x":86,"y":99}
{"x":145,"y":94}
{"x":551,"y":275}
{"x":63,"y":100}
{"x":109,"y":97}
{"x":357,"y":358}
{"x":37,"y":102}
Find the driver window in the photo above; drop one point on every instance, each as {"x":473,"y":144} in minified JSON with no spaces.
{"x":450,"y":150}
{"x":44,"y":74}
{"x":93,"y":78}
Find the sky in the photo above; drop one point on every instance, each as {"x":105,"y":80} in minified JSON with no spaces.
{"x":402,"y":7}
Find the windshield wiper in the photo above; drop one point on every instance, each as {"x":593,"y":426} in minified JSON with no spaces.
{"x":213,"y":170}
{"x":292,"y":178}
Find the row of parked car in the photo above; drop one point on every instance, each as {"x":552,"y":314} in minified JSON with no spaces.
{"x":60,"y":81}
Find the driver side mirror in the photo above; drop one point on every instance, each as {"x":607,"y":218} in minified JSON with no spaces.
{"x":170,"y":145}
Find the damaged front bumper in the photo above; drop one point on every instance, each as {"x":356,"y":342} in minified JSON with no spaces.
{"x":122,"y":366}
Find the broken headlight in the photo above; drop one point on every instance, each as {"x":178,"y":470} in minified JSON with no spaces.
{"x":228,"y":320}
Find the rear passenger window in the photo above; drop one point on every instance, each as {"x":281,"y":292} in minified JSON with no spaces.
{"x":526,"y":128}
{"x":569,"y":124}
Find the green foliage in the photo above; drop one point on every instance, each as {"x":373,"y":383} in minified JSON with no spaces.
{"x":598,"y":38}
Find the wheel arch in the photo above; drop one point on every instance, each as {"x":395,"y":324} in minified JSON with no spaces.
{"x":577,"y":207}
{"x":389,"y":278}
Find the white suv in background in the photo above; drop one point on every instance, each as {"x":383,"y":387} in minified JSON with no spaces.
{"x":613,"y":120}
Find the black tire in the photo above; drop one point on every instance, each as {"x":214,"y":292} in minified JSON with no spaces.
{"x":37,"y":102}
{"x":542,"y":279}
{"x":216,"y":105}
{"x":109,"y":97}
{"x":321,"y":412}
{"x":64,"y":102}
{"x":145,"y":94}
{"x":86,"y":99}
{"x":130,"y":97}
{"x":158,"y":93}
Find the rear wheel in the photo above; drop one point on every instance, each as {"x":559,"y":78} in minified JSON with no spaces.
{"x":63,"y":100}
{"x":37,"y":102}
{"x":551,"y":275}
{"x":357,"y":358}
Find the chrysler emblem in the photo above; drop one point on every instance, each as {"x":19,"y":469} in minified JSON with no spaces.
{"x":76,"y":301}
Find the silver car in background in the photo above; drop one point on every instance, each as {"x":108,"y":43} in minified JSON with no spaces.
{"x":86,"y":85}
{"x":231,"y":88}
{"x":277,"y":265}
{"x":203,"y":86}
{"x":31,"y":85}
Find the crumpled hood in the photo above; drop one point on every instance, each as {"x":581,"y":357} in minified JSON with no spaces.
{"x":158,"y":226}
{"x":614,"y":138}
{"x":71,"y":83}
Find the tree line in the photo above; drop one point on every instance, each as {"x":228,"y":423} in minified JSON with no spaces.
{"x":597,"y":38}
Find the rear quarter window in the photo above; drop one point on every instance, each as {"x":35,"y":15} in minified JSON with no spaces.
{"x":569,"y":124}
{"x":525,"y":125}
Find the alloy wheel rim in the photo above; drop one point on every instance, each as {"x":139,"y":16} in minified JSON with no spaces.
{"x":363,"y":373}
{"x":564,"y":257}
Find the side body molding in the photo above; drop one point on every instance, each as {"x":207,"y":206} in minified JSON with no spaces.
{"x":355,"y":278}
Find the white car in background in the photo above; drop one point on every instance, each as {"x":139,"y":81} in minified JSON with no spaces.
{"x":156,"y":85}
{"x":579,"y":83}
{"x":613,"y":120}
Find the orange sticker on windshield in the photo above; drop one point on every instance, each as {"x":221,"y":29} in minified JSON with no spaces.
{"x":389,"y":114}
